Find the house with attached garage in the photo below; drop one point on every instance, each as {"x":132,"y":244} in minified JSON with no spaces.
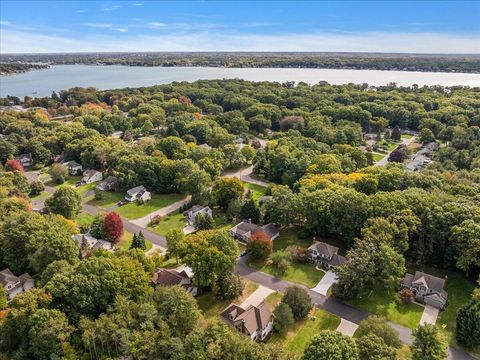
{"x":325,"y":255}
{"x":181,"y":276}
{"x":15,"y":284}
{"x":244,"y":231}
{"x":109,"y":184}
{"x":197,"y":210}
{"x":73,"y":167}
{"x":25,"y":159}
{"x":91,"y":176}
{"x":253,"y":321}
{"x":138,"y":193}
{"x":428,"y":289}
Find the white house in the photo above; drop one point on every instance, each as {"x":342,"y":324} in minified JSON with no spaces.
{"x":25,"y":159}
{"x":15,"y":284}
{"x":195,"y":211}
{"x":253,"y":321}
{"x":244,"y":231}
{"x":138,"y":193}
{"x":91,"y":176}
{"x":73,"y":167}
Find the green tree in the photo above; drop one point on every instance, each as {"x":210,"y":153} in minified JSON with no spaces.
{"x":331,"y":345}
{"x":283,"y":317}
{"x":209,"y":253}
{"x":226,"y":190}
{"x":178,"y":308}
{"x":175,"y":238}
{"x":204,"y":222}
{"x":467,"y":331}
{"x":58,"y":172}
{"x":466,"y":237}
{"x":138,"y":242}
{"x":3,"y":297}
{"x":426,"y":136}
{"x":298,"y":300}
{"x":377,"y":326}
{"x":372,"y":347}
{"x":97,"y":229}
{"x":396,"y":134}
{"x":66,"y":201}
{"x":250,"y":211}
{"x":428,"y":343}
{"x":36,"y":188}
{"x":259,"y":246}
{"x":228,"y":286}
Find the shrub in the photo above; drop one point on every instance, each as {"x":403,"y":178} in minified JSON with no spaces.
{"x":406,"y":296}
{"x":58,"y":172}
{"x":377,"y":326}
{"x":298,"y":253}
{"x":283,"y":317}
{"x":13,"y":165}
{"x":281,"y":260}
{"x":36,"y":188}
{"x":228,"y":286}
{"x":157,"y":219}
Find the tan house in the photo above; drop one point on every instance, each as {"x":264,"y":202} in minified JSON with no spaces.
{"x":253,"y":321}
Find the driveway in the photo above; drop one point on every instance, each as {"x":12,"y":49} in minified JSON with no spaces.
{"x":325,"y":283}
{"x":384,"y":160}
{"x":347,"y":327}
{"x":188,"y":229}
{"x":144,"y":221}
{"x":429,"y":315}
{"x":246,"y":175}
{"x":257,"y":296}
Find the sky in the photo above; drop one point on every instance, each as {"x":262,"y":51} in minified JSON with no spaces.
{"x":350,"y":26}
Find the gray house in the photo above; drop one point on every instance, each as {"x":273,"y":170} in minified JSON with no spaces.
{"x":245,"y":230}
{"x":109,"y":184}
{"x":195,"y":211}
{"x":138,"y":193}
{"x":73,"y":167}
{"x":325,"y":255}
{"x":428,"y":289}
{"x":15,"y":284}
{"x":25,"y":159}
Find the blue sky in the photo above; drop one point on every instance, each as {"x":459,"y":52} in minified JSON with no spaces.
{"x":75,"y":26}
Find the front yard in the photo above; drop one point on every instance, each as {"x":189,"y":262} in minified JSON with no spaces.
{"x":136,"y":211}
{"x":297,"y":337}
{"x":171,"y":221}
{"x":126,"y":241}
{"x":385,"y":304}
{"x":257,"y":191}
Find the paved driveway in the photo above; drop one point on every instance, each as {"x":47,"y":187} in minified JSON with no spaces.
{"x":429,"y":315}
{"x":347,"y":327}
{"x":325,"y":283}
{"x":257,"y":297}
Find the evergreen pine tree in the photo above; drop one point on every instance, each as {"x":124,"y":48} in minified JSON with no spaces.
{"x":396,"y":134}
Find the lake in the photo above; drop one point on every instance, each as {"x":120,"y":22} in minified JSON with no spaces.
{"x":43,"y":82}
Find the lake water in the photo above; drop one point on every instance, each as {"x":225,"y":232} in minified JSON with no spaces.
{"x":43,"y":82}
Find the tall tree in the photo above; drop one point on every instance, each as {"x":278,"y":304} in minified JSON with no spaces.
{"x":466,"y":237}
{"x":113,"y":226}
{"x":175,"y":238}
{"x":428,"y":343}
{"x":66,"y":201}
{"x":467,"y":331}
{"x":298,"y":300}
{"x":331,"y":345}
{"x":226,"y":190}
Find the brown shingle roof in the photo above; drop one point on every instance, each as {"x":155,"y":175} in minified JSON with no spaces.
{"x":253,"y":318}
{"x":167,"y":277}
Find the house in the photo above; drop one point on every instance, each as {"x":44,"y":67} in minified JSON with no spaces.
{"x":109,"y":184}
{"x":15,"y":284}
{"x":181,"y":276}
{"x":138,"y":193}
{"x":87,"y":243}
{"x":253,"y":321}
{"x":428,"y":289}
{"x":91,"y":176}
{"x":325,"y":255}
{"x":245,"y":230}
{"x":205,"y":147}
{"x":196,"y":210}
{"x":73,"y":167}
{"x":25,"y":159}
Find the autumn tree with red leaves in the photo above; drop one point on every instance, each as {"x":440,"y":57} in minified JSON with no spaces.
{"x":113,"y":227}
{"x":259,"y":246}
{"x":13,"y":165}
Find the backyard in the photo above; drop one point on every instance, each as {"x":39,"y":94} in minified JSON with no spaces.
{"x":257,"y":191}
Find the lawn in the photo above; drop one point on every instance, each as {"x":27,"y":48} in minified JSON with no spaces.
{"x":273,"y":300}
{"x":212,"y":307}
{"x":70,"y":181}
{"x":41,"y":196}
{"x":407,"y":136}
{"x":136,"y":211}
{"x":109,"y":199}
{"x":126,"y":241}
{"x":172,"y":221}
{"x":377,"y":157}
{"x":301,"y":273}
{"x":297,"y":337}
{"x":82,"y":190}
{"x":83,"y":219}
{"x":384,"y":304}
{"x":257,"y":191}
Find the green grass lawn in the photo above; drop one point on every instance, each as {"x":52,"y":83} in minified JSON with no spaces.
{"x":301,"y":273}
{"x":257,"y":191}
{"x":83,"y":219}
{"x":126,"y":241}
{"x":41,"y":196}
{"x":82,"y":190}
{"x":377,"y":156}
{"x":406,"y":136}
{"x":212,"y":307}
{"x":297,"y":337}
{"x":290,"y":237}
{"x":384,"y":304}
{"x":135,"y":211}
{"x":70,"y":181}
{"x":273,"y":300}
{"x":172,"y":221}
{"x":108,"y":200}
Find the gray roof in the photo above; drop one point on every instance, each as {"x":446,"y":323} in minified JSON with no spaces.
{"x":136,"y":190}
{"x":71,"y":164}
{"x":246,"y":227}
{"x":324,"y":248}
{"x":7,"y":277}
{"x":270,"y":230}
{"x":433,"y":282}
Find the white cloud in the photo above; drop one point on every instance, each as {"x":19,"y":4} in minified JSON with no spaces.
{"x":98,"y":25}
{"x":110,"y":7}
{"x":82,"y":11}
{"x":5,"y":23}
{"x":28,"y":41}
{"x":156,"y":25}
{"x":138,"y":4}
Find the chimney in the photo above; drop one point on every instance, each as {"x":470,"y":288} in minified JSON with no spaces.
{"x":250,"y":220}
